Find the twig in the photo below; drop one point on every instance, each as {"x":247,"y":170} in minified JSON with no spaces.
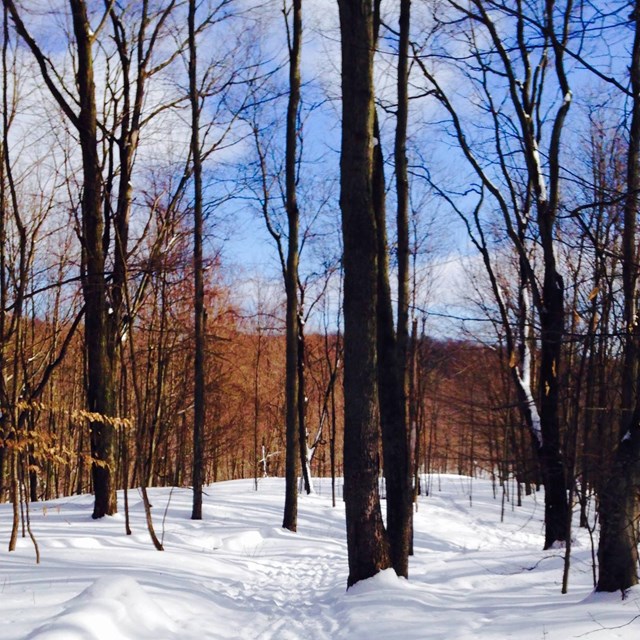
{"x":164,"y":515}
{"x":603,"y":628}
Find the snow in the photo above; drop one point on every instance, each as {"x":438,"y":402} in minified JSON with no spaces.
{"x":238,"y":574}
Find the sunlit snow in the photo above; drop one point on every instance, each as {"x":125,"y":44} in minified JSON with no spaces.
{"x":237,"y":574}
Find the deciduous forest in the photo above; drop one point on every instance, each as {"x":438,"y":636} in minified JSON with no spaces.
{"x":366,"y":241}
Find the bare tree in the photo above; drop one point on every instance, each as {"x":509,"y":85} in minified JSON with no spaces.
{"x":367,"y":542}
{"x":199,"y":311}
{"x":524,"y":195}
{"x":293,"y":360}
{"x":27,"y":360}
{"x":619,"y":507}
{"x":392,"y":342}
{"x":107,"y":188}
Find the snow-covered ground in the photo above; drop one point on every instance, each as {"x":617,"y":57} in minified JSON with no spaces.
{"x":237,"y":574}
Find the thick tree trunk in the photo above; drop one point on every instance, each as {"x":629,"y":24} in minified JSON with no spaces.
{"x":367,"y":543}
{"x":551,"y":306}
{"x":391,"y":391}
{"x":619,"y":500}
{"x":551,"y":460}
{"x":620,"y":518}
{"x":101,"y":396}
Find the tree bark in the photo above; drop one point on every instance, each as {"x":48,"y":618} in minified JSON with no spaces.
{"x":391,"y":390}
{"x":305,"y":456}
{"x":402,"y":187}
{"x":199,"y":310}
{"x":101,"y":395}
{"x":367,"y":543}
{"x":619,"y":500}
{"x":290,"y":519}
{"x":405,"y":533}
{"x":619,"y":518}
{"x":551,"y":460}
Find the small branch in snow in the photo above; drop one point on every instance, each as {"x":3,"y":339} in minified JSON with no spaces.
{"x":603,"y":628}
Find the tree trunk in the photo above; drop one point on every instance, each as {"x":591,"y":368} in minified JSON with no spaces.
{"x":367,"y":543}
{"x":619,"y":500}
{"x":101,"y":396}
{"x":551,"y":460}
{"x":290,"y":519}
{"x":199,"y":310}
{"x":405,"y":533}
{"x":619,"y":518}
{"x":391,"y":390}
{"x":305,"y":458}
{"x":402,"y":191}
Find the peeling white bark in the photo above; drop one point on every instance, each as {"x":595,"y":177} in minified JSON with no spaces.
{"x":524,"y":378}
{"x":525,"y":384}
{"x":542,"y":185}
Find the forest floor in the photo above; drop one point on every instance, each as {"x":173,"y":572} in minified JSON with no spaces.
{"x":478,"y":572}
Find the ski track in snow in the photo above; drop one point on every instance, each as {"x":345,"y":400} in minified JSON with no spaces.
{"x":238,"y":575}
{"x":296,"y":589}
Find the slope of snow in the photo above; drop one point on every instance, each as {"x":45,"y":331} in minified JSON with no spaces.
{"x":237,"y":574}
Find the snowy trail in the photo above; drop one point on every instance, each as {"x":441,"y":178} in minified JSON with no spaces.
{"x":237,"y":575}
{"x":298,"y":591}
{"x":291,"y":577}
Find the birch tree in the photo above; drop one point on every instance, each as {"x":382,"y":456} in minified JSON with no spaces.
{"x":513,"y":76}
